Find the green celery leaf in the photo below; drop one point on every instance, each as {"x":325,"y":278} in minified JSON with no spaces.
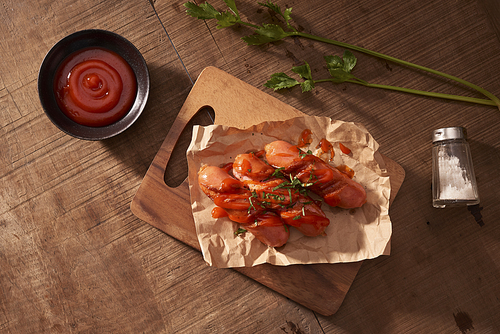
{"x":334,"y":62}
{"x":340,"y":68}
{"x":340,"y":75}
{"x":265,"y":34}
{"x":349,"y":61}
{"x":304,"y":71}
{"x":226,"y":19}
{"x":272,"y":30}
{"x":277,"y":9}
{"x":346,"y":63}
{"x":307,"y":86}
{"x":280,"y":81}
{"x":287,"y":15}
{"x":232,"y":5}
{"x":205,"y":11}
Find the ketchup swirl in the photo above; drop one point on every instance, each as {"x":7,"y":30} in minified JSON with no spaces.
{"x":95,"y":87}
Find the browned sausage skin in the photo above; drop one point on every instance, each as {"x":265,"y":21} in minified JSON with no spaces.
{"x":336,"y":188}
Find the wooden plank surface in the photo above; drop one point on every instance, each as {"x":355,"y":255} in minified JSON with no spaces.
{"x":73,"y":257}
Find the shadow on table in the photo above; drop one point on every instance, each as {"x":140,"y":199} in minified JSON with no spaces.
{"x":138,"y":145}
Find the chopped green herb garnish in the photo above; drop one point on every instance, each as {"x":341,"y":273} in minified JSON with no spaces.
{"x":294,"y":184}
{"x":251,"y":204}
{"x":302,"y":155}
{"x":278,"y":172}
{"x":239,"y":231}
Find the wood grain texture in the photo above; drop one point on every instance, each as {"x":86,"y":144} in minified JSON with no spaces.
{"x":73,"y":258}
{"x":322,"y":288}
{"x":67,"y":261}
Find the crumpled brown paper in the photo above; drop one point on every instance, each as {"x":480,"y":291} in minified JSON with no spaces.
{"x":352,"y":235}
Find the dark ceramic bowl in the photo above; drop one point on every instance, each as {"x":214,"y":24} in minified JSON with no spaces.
{"x":75,"y":42}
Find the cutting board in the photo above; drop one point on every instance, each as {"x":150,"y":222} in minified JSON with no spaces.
{"x":319,"y":287}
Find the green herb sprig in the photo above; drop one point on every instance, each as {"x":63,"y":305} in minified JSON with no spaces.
{"x":340,"y":69}
{"x":239,"y":231}
{"x":295,"y":185}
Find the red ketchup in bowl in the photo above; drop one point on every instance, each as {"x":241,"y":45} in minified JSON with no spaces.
{"x":95,"y":87}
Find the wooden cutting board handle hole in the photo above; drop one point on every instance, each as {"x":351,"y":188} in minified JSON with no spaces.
{"x":176,"y":170}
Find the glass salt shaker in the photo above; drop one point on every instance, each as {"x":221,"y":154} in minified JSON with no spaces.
{"x":453,"y":179}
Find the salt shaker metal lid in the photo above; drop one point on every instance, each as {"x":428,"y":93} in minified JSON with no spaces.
{"x":454,"y":132}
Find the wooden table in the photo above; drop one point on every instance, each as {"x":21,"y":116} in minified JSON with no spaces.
{"x":73,"y":257}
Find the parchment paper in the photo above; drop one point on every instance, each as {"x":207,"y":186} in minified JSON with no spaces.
{"x":352,"y":235}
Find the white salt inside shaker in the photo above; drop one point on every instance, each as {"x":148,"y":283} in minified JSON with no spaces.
{"x":453,"y":179}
